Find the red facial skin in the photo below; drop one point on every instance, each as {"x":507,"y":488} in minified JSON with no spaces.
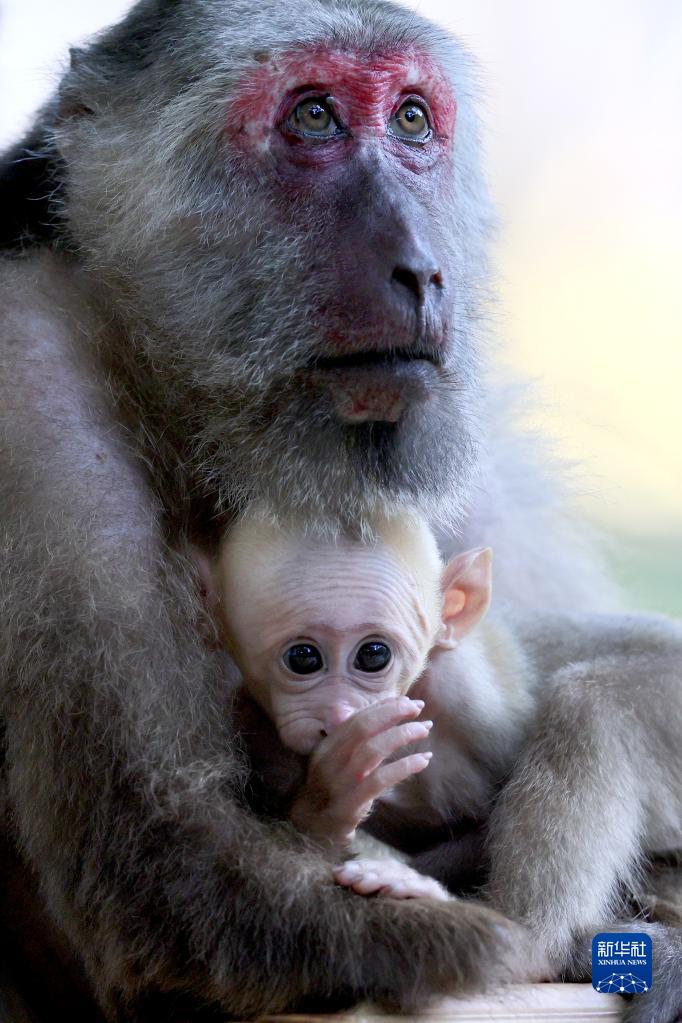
{"x":364,"y":91}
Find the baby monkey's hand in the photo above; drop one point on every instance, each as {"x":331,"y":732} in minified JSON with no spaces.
{"x":388,"y":877}
{"x":347,"y":772}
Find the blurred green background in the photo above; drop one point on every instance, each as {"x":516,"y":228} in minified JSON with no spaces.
{"x":650,"y":570}
{"x":584,"y":154}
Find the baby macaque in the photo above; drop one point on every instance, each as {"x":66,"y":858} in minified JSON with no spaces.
{"x":329,"y":638}
{"x":528,"y":741}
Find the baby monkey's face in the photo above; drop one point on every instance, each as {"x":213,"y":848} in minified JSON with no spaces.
{"x":320,"y":631}
{"x":318,"y":638}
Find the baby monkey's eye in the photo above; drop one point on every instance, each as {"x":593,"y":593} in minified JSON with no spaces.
{"x":303,"y":659}
{"x":372,"y":656}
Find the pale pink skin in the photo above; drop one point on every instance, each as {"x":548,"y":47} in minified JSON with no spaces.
{"x":353,"y":725}
{"x":336,"y":601}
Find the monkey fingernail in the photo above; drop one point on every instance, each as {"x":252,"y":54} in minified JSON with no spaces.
{"x":368,"y":880}
{"x":350,"y":871}
{"x":427,"y":756}
{"x":419,"y":703}
{"x":427,"y":724}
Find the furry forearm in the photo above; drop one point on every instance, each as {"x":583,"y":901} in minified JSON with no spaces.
{"x":126,"y":801}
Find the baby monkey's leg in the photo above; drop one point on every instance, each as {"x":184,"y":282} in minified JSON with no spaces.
{"x":388,"y":877}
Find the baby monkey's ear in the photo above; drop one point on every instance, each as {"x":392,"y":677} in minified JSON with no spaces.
{"x":466,"y":585}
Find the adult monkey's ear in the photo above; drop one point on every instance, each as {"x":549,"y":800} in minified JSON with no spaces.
{"x":70,"y":101}
{"x":466,"y":585}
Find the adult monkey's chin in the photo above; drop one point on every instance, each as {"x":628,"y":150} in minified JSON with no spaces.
{"x":376,"y":393}
{"x":320,"y":467}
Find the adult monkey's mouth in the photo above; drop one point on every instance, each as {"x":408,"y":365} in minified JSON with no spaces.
{"x":379,"y":359}
{"x":376,"y":386}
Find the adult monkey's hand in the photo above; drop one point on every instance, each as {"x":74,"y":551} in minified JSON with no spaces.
{"x":348,"y":770}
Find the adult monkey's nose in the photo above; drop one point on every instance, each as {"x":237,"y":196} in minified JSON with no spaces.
{"x":419,"y":281}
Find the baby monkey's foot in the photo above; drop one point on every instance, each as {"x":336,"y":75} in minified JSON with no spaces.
{"x":390,"y":878}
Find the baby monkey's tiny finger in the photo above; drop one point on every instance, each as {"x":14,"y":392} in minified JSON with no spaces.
{"x":367,"y":884}
{"x":370,"y":754}
{"x":379,"y":717}
{"x":388,"y":775}
{"x":360,"y":731}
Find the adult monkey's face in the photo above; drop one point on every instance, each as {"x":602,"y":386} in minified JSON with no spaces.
{"x":297,"y":234}
{"x":354,"y":147}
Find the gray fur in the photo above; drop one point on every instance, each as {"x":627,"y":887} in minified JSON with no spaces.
{"x":606,"y":734}
{"x":596,"y":795}
{"x":150,"y":310}
{"x":197,"y":286}
{"x":121,"y":788}
{"x":561,"y":733}
{"x":145,"y":327}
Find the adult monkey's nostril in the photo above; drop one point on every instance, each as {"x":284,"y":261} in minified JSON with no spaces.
{"x":416,"y":282}
{"x":407,"y":279}
{"x":323,"y":733}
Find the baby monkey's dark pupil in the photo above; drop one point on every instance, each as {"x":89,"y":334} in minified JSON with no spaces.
{"x":303,"y":659}
{"x":372,"y":656}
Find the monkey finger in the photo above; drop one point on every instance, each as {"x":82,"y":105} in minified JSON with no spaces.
{"x":341,"y":764}
{"x":369,"y":722}
{"x":426,"y":888}
{"x":350,"y":808}
{"x":390,"y":870}
{"x":366,"y":883}
{"x":388,"y":775}
{"x":388,"y":877}
{"x":370,"y":754}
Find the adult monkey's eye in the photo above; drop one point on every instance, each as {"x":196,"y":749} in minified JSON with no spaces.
{"x":303,"y":659}
{"x":372,"y":656}
{"x":410,"y":122}
{"x":314,"y":117}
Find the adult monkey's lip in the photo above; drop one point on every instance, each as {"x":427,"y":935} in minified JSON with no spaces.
{"x":380,"y":358}
{"x":374,"y":387}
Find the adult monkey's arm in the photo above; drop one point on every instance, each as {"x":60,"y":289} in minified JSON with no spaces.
{"x":122,"y":791}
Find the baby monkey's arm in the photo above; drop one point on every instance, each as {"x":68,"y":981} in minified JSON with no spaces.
{"x":344,"y":779}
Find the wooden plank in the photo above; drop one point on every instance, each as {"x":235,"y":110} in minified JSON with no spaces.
{"x":531,"y":1003}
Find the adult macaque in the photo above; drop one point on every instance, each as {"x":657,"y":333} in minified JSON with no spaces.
{"x":344,"y":643}
{"x":246,"y":260}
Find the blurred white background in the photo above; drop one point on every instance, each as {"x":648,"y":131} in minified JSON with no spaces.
{"x":583,"y":114}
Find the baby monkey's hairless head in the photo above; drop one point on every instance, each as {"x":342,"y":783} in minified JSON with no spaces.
{"x":320,"y":628}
